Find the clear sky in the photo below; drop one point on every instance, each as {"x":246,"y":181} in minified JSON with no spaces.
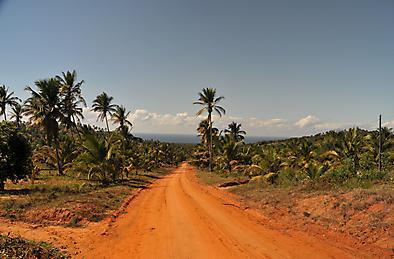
{"x":285,"y":67}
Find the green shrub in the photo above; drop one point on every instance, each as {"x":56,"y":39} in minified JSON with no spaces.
{"x":15,"y":154}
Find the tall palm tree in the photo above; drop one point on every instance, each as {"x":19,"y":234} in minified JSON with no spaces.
{"x":103,"y":105}
{"x":6,"y":98}
{"x":16,"y":113}
{"x":44,"y":110}
{"x":234,"y":130}
{"x":209,"y":101}
{"x":72,"y":98}
{"x":120,"y":117}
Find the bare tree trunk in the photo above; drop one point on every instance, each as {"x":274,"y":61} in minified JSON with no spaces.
{"x":76,"y":128}
{"x":210,"y":142}
{"x":59,"y":163}
{"x":106,"y":122}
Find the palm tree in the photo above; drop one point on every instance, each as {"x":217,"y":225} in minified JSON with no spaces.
{"x":6,"y":98}
{"x":120,"y":117}
{"x":230,"y":150}
{"x":271,"y":163}
{"x":44,"y":110}
{"x":72,"y":98}
{"x":210,"y":102}
{"x":98,"y":157}
{"x":103,"y":105}
{"x":234,"y":130}
{"x":373,"y":140}
{"x":203,"y":132}
{"x":352,"y":146}
{"x":16,"y":113}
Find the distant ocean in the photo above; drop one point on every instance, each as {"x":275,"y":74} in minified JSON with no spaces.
{"x":194,"y":139}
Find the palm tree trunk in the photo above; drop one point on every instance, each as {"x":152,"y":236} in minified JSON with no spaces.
{"x":210,"y":142}
{"x":76,"y":128}
{"x":59,"y":163}
{"x":5,"y":115}
{"x":106,"y":122}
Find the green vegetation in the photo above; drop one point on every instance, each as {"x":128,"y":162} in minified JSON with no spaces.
{"x":59,"y":141}
{"x":15,"y":154}
{"x":6,"y":99}
{"x":348,"y":157}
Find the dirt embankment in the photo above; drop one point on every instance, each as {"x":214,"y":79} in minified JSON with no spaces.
{"x":362,"y":218}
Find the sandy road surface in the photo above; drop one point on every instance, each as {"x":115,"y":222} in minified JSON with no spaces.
{"x":178,"y":218}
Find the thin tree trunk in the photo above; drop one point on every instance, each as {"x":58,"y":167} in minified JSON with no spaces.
{"x":5,"y":115}
{"x":210,"y":142}
{"x":76,"y":128}
{"x":106,"y":122}
{"x":59,"y":163}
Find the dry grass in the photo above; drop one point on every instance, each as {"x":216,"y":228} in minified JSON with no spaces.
{"x":20,"y":248}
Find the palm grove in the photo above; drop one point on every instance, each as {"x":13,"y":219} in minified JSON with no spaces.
{"x":54,"y":138}
{"x":331,"y":157}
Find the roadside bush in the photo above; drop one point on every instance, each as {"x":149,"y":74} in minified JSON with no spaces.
{"x":15,"y":154}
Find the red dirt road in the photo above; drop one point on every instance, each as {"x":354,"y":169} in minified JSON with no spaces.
{"x":178,"y":218}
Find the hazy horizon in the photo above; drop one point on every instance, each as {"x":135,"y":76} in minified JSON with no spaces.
{"x":286,"y":68}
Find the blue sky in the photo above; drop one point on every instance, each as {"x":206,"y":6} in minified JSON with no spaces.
{"x":285,"y":67}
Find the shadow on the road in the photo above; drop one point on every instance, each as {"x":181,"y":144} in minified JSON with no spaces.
{"x":16,"y":192}
{"x":152,"y":176}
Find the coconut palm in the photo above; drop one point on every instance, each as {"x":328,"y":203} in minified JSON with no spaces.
{"x":6,"y":98}
{"x":103,"y":105}
{"x":203,"y":132}
{"x":271,"y":163}
{"x":352,"y":146}
{"x":16,"y":113}
{"x":209,"y":101}
{"x":234,"y":130}
{"x":373,"y":140}
{"x":120,"y":116}
{"x":72,"y":98}
{"x":230,"y":150}
{"x":97,"y":157}
{"x":44,"y":110}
